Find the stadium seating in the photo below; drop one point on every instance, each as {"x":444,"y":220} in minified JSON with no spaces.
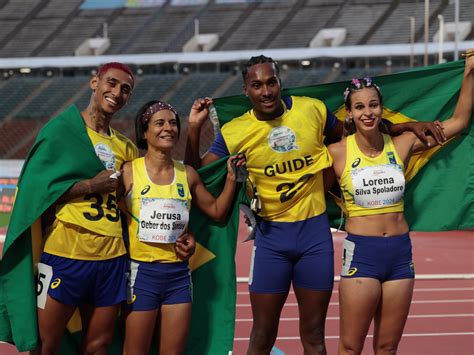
{"x":41,"y":28}
{"x":57,"y":28}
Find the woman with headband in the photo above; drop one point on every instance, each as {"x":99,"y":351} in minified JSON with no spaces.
{"x":377,"y":276}
{"x":158,"y":193}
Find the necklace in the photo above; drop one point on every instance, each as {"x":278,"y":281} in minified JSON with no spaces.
{"x":369,"y":150}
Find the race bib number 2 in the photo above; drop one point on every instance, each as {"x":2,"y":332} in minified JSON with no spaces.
{"x":43,"y":279}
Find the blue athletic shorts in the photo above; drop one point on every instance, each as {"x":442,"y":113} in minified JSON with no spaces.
{"x":300,"y":252}
{"x":151,"y":285}
{"x":381,"y":258}
{"x":100,"y":283}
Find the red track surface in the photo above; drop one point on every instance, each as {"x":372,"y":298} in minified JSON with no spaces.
{"x":441,"y":319}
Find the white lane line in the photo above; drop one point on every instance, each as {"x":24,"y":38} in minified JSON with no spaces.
{"x":292,"y":304}
{"x":447,"y":289}
{"x":461,"y":315}
{"x":444,"y":301}
{"x":417,"y":277}
{"x":437,"y":289}
{"x":371,"y":336}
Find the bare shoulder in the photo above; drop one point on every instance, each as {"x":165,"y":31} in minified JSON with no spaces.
{"x":127,"y":176}
{"x":127,"y":166}
{"x":404,"y":138}
{"x":337,"y":149}
{"x":404,"y":145}
{"x":190,"y":169}
{"x":127,"y":171}
{"x":192,"y":174}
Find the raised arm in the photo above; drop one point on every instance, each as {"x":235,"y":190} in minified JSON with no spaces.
{"x":463,"y":111}
{"x":197,"y":116}
{"x":216,"y":208}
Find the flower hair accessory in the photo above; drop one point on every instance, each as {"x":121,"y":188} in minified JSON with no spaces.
{"x":156,"y":107}
{"x":346,"y":93}
{"x":370,"y":84}
{"x":357,"y":84}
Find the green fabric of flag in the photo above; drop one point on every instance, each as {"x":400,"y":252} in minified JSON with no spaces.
{"x":214,"y":282}
{"x":61,"y":156}
{"x":441,"y":195}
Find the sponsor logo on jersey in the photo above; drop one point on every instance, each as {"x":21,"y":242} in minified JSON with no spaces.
{"x":134,"y":297}
{"x":356,"y":163}
{"x":55,"y":283}
{"x":282,"y":139}
{"x":145,"y":190}
{"x":180,"y":189}
{"x":351,"y":271}
{"x":412,"y":267}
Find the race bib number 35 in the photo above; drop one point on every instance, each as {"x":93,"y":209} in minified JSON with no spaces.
{"x":43,"y":279}
{"x":162,"y":220}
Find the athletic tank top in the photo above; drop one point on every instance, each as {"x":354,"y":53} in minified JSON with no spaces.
{"x":99,"y":212}
{"x":285,"y":158}
{"x":89,"y":227}
{"x":372,"y":185}
{"x":157,"y":214}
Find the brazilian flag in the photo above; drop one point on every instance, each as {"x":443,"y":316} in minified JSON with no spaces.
{"x":440,"y":192}
{"x":61,"y":156}
{"x":439,"y":196}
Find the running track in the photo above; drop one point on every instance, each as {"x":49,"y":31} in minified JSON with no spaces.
{"x":441,"y":319}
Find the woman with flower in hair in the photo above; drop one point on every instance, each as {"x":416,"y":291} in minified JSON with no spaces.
{"x":377,"y":276}
{"x":158,"y":193}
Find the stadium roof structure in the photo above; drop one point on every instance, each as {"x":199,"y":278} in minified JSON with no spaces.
{"x":364,"y":51}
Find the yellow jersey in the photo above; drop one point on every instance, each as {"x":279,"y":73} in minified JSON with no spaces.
{"x":89,"y":227}
{"x":372,"y":185}
{"x":157,"y":214}
{"x":285,"y":158}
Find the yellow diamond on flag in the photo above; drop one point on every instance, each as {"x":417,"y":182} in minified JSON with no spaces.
{"x":75,"y":324}
{"x":201,"y":256}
